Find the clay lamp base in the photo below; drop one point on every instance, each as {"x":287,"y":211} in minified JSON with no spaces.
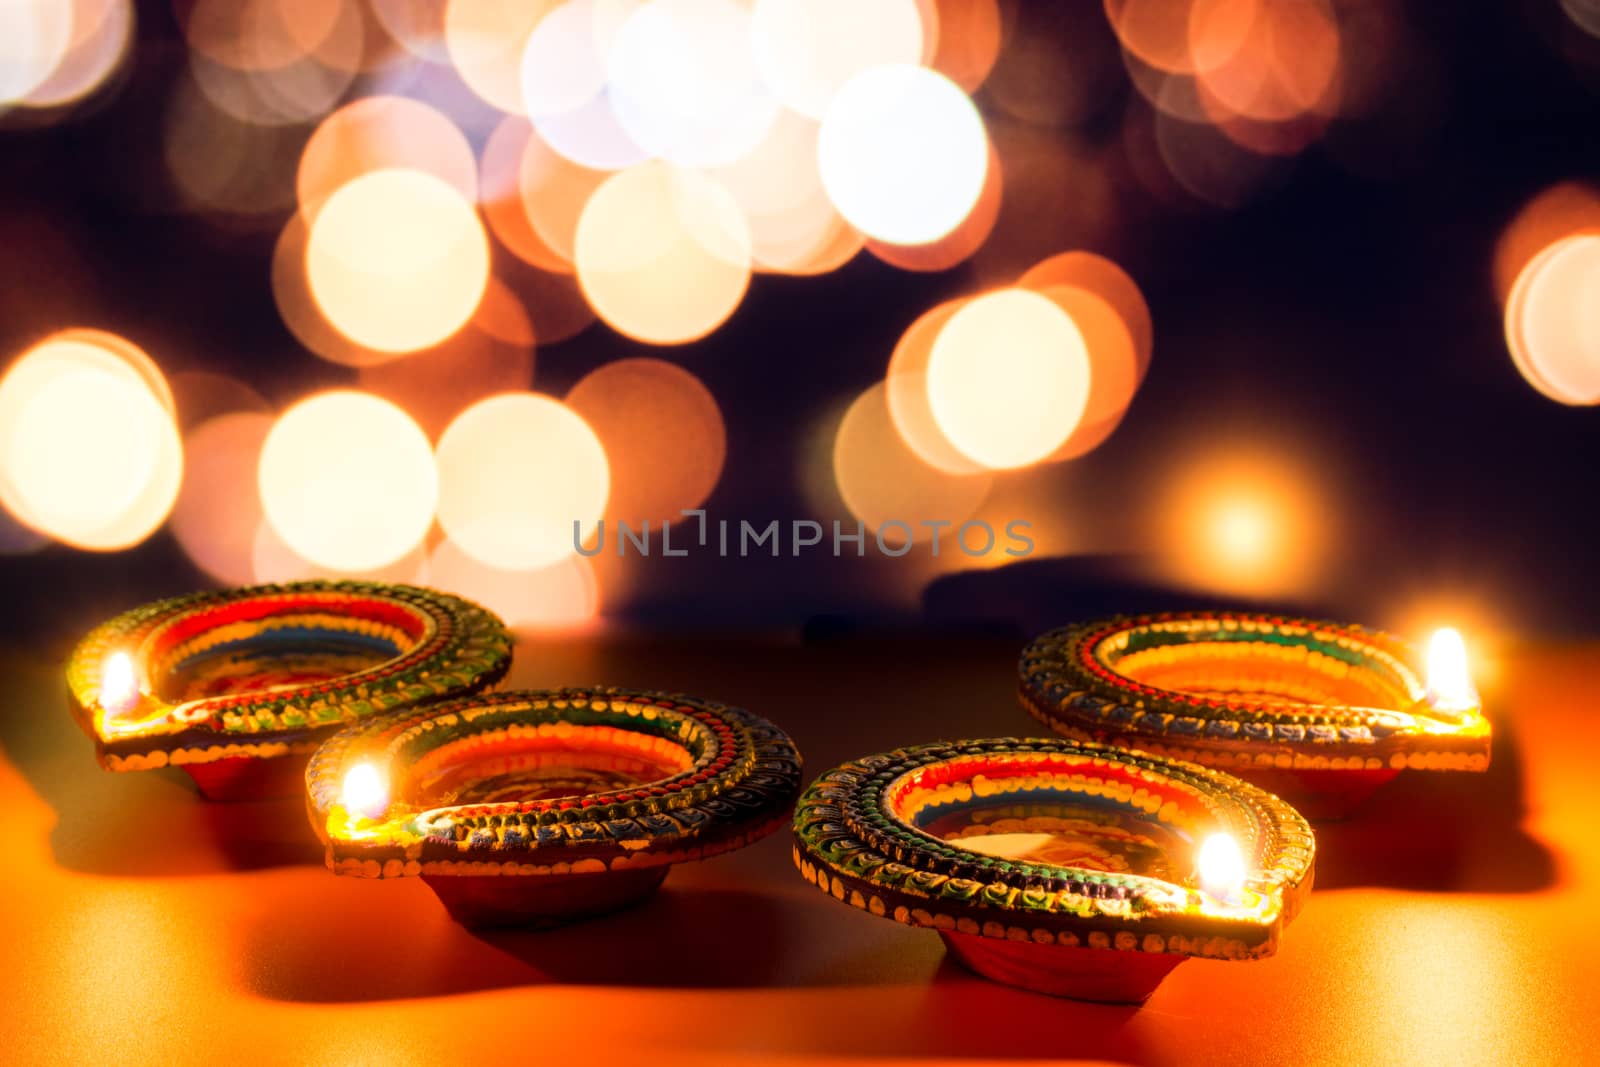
{"x":542,"y":807}
{"x":1058,"y":866}
{"x":233,"y":686}
{"x":1320,"y":713}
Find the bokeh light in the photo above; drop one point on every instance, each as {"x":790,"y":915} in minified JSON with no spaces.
{"x":219,"y":508}
{"x":552,"y":191}
{"x":89,"y":448}
{"x":1008,"y":378}
{"x":684,"y":84}
{"x":903,"y":154}
{"x":907,"y":393}
{"x":888,"y":487}
{"x":1562,"y":210}
{"x":485,"y":39}
{"x":1100,"y":276}
{"x":663,"y":253}
{"x":516,"y":472}
{"x":1553,"y":320}
{"x":348,"y":481}
{"x":382,"y":133}
{"x":273,"y":561}
{"x":101,"y":32}
{"x":34,"y":38}
{"x":565,"y":83}
{"x":663,"y":436}
{"x":1113,"y":367}
{"x":960,"y":243}
{"x":562,"y":596}
{"x":397,"y":260}
{"x":500,"y":196}
{"x":808,"y":49}
{"x":1243,"y":521}
{"x":968,"y":40}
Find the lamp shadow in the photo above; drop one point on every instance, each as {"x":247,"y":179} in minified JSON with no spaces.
{"x":1442,"y":832}
{"x":146,"y":825}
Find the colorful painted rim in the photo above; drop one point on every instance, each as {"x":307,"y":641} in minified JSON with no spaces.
{"x":270,"y":670}
{"x":1248,"y":692}
{"x":728,"y":778}
{"x":859,"y":836}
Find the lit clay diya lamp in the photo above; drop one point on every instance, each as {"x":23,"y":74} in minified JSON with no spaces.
{"x":1321,"y":713}
{"x":1063,"y":867}
{"x":541,"y":807}
{"x":229,"y":685}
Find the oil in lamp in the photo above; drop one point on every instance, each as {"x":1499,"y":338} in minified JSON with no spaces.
{"x":1059,"y":866}
{"x":1321,"y":713}
{"x":229,"y":685}
{"x":542,"y":807}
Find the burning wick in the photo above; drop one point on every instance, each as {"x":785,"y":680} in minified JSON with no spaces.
{"x":365,"y":792}
{"x":119,"y":685}
{"x":1221,"y":868}
{"x":1450,"y":685}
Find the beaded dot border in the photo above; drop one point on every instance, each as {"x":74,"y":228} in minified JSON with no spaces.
{"x":740,"y":786}
{"x":455,"y":647}
{"x":1065,"y":682}
{"x":850,"y":843}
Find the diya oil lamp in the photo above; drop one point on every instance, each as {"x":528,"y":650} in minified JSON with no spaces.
{"x":1063,"y":867}
{"x":229,"y":685}
{"x":1319,"y":712}
{"x":542,"y":807}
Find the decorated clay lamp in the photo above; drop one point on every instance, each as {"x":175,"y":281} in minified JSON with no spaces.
{"x":1320,"y":713}
{"x":231,"y":685}
{"x":1059,"y":866}
{"x":541,"y":807}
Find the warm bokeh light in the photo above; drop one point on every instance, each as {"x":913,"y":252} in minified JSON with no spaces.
{"x":226,"y":166}
{"x":907,"y":391}
{"x":516,"y":472}
{"x":89,"y":448}
{"x":663,"y":253}
{"x":1113,"y":366}
{"x":397,"y":260}
{"x":492,"y":354}
{"x":365,"y":793}
{"x":552,"y":191}
{"x":485,"y":39}
{"x":888,"y":486}
{"x":562,"y":595}
{"x":968,"y":43}
{"x":348,"y":481}
{"x":808,"y":49}
{"x":663,"y":436}
{"x":1552,"y":320}
{"x":219,"y":508}
{"x":1103,"y":278}
{"x":1243,"y":521}
{"x":500,"y":196}
{"x":1450,"y":685}
{"x":1008,"y":378}
{"x":684,"y":84}
{"x":960,"y":243}
{"x":903,"y":154}
{"x":382,"y":133}
{"x":564,"y":72}
{"x":119,"y":684}
{"x":274,"y":62}
{"x":1562,"y":210}
{"x":101,"y":33}
{"x":794,"y":227}
{"x":34,"y":38}
{"x":1267,"y":60}
{"x":1221,"y":868}
{"x":274,"y":562}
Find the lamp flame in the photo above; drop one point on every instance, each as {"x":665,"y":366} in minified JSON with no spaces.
{"x":1450,"y":685}
{"x":119,"y":684}
{"x":1222,"y":870}
{"x":365,"y":792}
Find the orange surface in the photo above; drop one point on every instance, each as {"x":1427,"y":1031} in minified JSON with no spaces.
{"x":1455,"y":921}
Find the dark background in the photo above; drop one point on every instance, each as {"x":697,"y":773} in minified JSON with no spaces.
{"x":1343,"y":312}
